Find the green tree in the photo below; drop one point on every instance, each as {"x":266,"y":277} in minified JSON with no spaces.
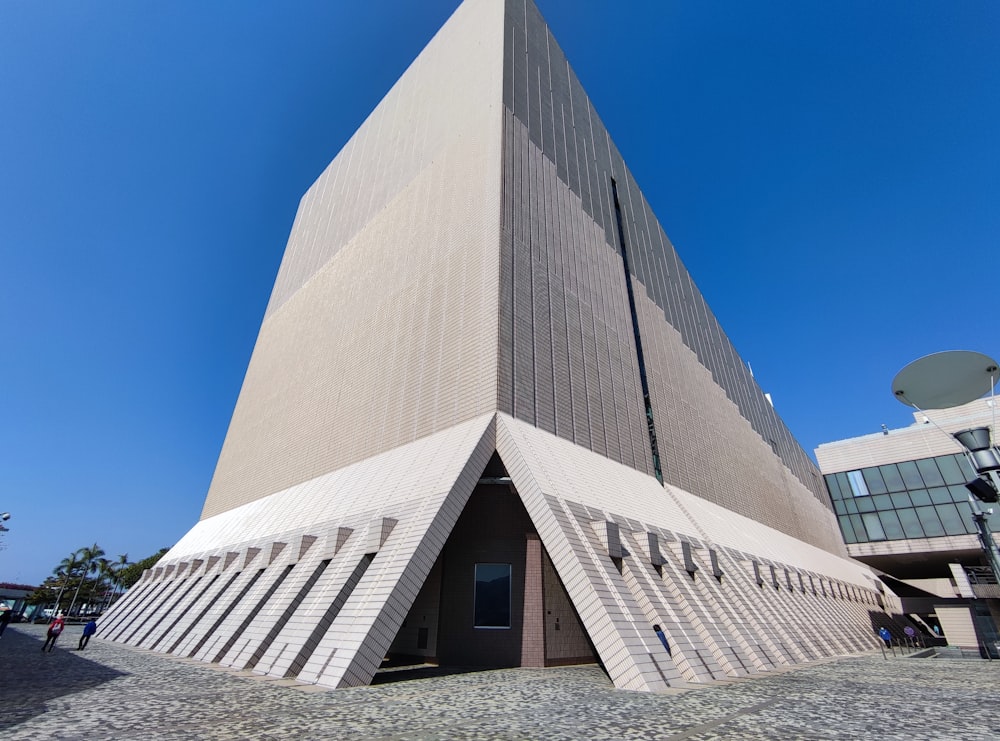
{"x":64,"y":573}
{"x":116,"y":578}
{"x":88,"y":557}
{"x":130,"y":574}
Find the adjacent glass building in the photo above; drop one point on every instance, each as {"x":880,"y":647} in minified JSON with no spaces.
{"x":923,"y":498}
{"x":903,"y":508}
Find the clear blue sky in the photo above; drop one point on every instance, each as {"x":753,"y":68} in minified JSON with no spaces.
{"x":829,"y":172}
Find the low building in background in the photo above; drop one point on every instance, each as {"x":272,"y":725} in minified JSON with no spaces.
{"x":903,"y":508}
{"x":490,"y":421}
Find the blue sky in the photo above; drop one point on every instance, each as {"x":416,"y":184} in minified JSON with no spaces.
{"x":829,"y":172}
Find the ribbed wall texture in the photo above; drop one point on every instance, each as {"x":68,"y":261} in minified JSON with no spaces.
{"x":461,"y":255}
{"x":382,"y":324}
{"x":568,"y":361}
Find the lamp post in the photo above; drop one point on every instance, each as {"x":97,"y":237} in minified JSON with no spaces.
{"x":985,"y":459}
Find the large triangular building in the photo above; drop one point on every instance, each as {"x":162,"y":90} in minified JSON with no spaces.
{"x":490,"y":421}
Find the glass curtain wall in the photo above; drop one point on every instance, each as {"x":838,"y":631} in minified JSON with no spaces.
{"x":925,"y":498}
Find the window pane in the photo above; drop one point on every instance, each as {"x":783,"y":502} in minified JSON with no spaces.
{"x":890,"y":524}
{"x":920,"y":496}
{"x":847,"y":530}
{"x":882,"y":501}
{"x":859,"y":528}
{"x":929,"y":470}
{"x":840,"y":506}
{"x":873,"y":526}
{"x":857,"y":482}
{"x":930,"y":522}
{"x":950,"y":470}
{"x":951,"y":519}
{"x":874,"y":480}
{"x":834,"y":487}
{"x":965,"y":512}
{"x":901,"y":499}
{"x":963,"y":463}
{"x":911,"y":524}
{"x":959,"y":493}
{"x":890,"y":474}
{"x":865,"y":504}
{"x":492,"y":600}
{"x":852,"y":506}
{"x":845,"y":487}
{"x":911,"y":476}
{"x":940,"y":495}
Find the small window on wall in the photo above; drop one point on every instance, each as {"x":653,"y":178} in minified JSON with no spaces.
{"x":492,"y":598}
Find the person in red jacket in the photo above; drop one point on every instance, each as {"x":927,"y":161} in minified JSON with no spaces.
{"x":55,"y":630}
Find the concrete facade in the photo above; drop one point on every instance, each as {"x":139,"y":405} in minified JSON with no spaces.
{"x":478,"y":337}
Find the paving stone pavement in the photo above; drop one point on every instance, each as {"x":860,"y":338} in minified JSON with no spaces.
{"x":111,"y":691}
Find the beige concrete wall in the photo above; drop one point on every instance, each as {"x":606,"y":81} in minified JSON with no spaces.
{"x":919,"y":440}
{"x":382,"y":324}
{"x":957,"y":626}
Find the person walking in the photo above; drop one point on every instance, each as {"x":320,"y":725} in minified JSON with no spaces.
{"x":55,"y":630}
{"x":88,"y":630}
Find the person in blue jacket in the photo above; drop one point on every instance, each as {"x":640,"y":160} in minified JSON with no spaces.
{"x":885,"y":635}
{"x":88,"y":630}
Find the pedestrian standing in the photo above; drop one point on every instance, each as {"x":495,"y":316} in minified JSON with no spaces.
{"x":88,"y":630}
{"x":885,"y":635}
{"x":55,"y":630}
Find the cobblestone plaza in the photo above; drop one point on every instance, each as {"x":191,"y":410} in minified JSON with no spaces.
{"x":111,"y":691}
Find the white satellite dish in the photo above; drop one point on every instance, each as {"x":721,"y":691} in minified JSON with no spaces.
{"x":945,"y":379}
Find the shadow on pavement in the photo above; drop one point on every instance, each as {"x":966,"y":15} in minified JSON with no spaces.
{"x":29,"y":678}
{"x":420,"y":671}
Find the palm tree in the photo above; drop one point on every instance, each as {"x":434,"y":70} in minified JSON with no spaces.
{"x":65,"y":571}
{"x":116,"y":579}
{"x":88,"y":557}
{"x":104,"y":574}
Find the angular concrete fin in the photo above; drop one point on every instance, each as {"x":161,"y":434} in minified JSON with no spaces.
{"x":231,"y":556}
{"x":378,"y":532}
{"x":250,"y":556}
{"x":212,"y":560}
{"x":305,"y":543}
{"x":610,"y":537}
{"x":373,"y":621}
{"x":182,"y":567}
{"x":336,"y":539}
{"x":276,"y":549}
{"x":157,"y":572}
{"x":651,"y":541}
{"x":716,"y":566}
{"x":196,"y":564}
{"x":537,"y":470}
{"x":687,"y":554}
